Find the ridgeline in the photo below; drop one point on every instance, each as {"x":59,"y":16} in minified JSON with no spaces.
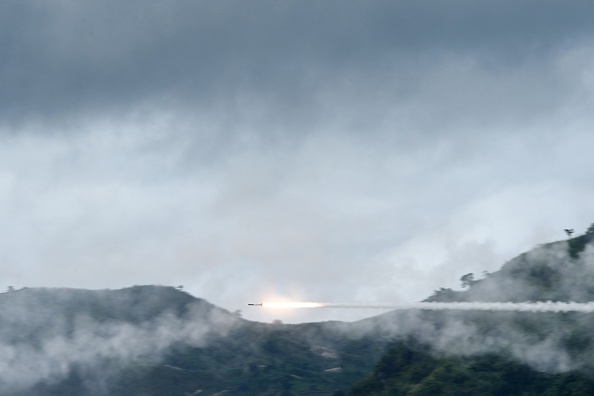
{"x":157,"y":340}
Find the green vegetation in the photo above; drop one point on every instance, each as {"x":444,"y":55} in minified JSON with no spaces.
{"x":528,"y":353}
{"x":151,"y":340}
{"x":410,"y":369}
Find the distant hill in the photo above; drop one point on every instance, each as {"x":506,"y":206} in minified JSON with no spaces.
{"x":497,"y":353}
{"x":157,"y":340}
{"x":154,"y":340}
{"x":557,"y":271}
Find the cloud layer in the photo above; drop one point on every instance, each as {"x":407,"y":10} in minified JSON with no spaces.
{"x":332,"y":151}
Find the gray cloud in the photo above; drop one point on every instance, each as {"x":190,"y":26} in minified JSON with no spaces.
{"x":68,"y":58}
{"x":305,"y":150}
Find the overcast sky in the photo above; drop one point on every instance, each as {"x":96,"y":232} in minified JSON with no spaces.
{"x":336,"y":151}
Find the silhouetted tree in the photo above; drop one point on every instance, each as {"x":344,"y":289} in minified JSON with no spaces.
{"x":467,"y":280}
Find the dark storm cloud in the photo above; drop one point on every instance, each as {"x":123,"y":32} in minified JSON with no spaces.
{"x":283,"y":146}
{"x":63,"y":58}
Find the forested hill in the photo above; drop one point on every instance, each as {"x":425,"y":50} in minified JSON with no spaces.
{"x":557,"y":271}
{"x":409,"y":369}
{"x":154,"y":340}
{"x":497,"y":353}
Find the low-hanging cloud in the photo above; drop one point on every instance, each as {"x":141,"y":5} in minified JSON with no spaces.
{"x":515,"y":319}
{"x":46,"y":336}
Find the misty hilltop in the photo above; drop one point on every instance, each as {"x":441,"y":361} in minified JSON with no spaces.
{"x":51,"y":337}
{"x":497,"y":353}
{"x":556,"y":271}
{"x":156,"y":340}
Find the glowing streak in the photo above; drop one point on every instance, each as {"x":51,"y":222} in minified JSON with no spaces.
{"x":458,"y":306}
{"x":292,"y":305}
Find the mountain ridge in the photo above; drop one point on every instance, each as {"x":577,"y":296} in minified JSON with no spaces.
{"x":155,"y":340}
{"x":498,"y":353}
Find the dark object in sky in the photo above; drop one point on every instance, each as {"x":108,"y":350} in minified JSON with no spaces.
{"x":568,"y":231}
{"x":256,"y":305}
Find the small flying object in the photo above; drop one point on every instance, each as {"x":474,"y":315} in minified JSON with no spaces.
{"x":568,"y":231}
{"x":256,"y":305}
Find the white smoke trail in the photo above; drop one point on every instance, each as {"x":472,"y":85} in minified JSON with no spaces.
{"x":548,"y":306}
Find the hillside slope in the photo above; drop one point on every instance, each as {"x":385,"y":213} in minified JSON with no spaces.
{"x":152,"y":340}
{"x":497,"y":353}
{"x":557,"y":271}
{"x":155,"y":340}
{"x":410,"y":369}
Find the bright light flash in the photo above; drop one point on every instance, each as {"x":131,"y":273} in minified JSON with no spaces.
{"x":292,"y":305}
